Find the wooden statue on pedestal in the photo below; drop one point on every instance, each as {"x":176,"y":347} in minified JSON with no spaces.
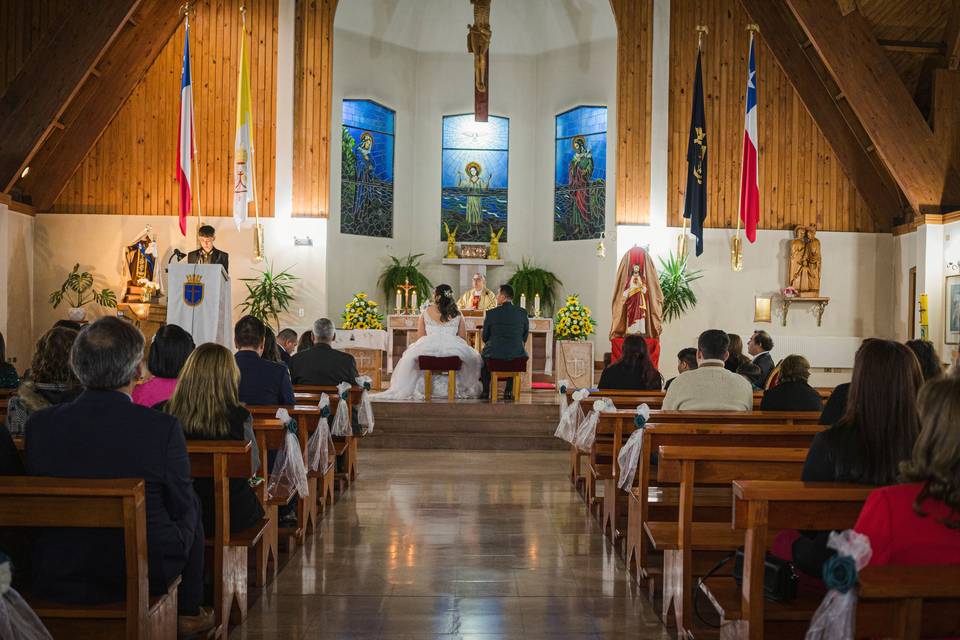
{"x":805,"y":262}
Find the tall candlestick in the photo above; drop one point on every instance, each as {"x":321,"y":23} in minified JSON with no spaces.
{"x":536,"y":306}
{"x":523,"y":301}
{"x":399,"y":302}
{"x":413,"y":302}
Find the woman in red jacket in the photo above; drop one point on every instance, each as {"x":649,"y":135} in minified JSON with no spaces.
{"x":919,"y":522}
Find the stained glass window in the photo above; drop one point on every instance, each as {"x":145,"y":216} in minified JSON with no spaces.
{"x":474,"y":177}
{"x":580,"y":184}
{"x":366,"y":182}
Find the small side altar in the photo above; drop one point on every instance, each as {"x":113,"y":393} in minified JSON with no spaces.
{"x":470,"y":266}
{"x":819,"y":305}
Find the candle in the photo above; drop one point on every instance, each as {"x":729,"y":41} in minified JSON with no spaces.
{"x":536,"y":305}
{"x":523,"y":301}
{"x":413,"y":302}
{"x":399,"y":302}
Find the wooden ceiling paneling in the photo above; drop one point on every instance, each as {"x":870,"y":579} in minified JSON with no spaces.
{"x":23,"y":23}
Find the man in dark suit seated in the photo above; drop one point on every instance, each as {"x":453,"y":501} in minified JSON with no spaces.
{"x":760,"y":346}
{"x":505,"y":331}
{"x":287,"y":344}
{"x":325,"y":366}
{"x":207,"y":253}
{"x":102,"y":434}
{"x":261,"y":381}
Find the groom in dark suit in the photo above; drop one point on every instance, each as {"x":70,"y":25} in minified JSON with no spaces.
{"x":505,"y":332}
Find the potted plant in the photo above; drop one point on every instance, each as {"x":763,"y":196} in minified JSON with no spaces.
{"x":269,"y":295}
{"x":78,"y":290}
{"x":675,"y":279}
{"x":402,"y":270}
{"x":529,"y":280}
{"x":572,"y":326}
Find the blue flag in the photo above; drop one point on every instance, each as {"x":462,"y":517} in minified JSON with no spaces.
{"x":695,"y":198}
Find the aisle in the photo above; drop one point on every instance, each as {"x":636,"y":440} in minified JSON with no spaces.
{"x":449,"y":545}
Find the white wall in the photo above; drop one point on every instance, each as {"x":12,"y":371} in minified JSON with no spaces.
{"x":16,"y":284}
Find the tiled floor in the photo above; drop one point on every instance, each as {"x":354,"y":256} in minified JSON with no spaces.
{"x":451,"y":545}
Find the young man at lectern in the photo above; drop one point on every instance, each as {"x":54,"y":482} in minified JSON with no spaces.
{"x":207,"y":253}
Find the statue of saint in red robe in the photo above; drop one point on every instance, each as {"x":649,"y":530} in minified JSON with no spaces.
{"x":637,"y":298}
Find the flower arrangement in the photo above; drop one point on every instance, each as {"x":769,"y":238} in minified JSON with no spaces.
{"x":789,"y":292}
{"x":150,"y":289}
{"x":361,"y":313}
{"x":574,"y":320}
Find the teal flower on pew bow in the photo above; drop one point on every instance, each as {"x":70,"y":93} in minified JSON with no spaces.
{"x":325,"y":411}
{"x":291,"y":426}
{"x":366,"y":386}
{"x":840,"y":573}
{"x":643,"y":414}
{"x":344,"y":395}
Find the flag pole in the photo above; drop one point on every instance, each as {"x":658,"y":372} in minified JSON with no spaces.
{"x":682,"y":238}
{"x":187,"y":8}
{"x":736,"y":244}
{"x":257,"y":229}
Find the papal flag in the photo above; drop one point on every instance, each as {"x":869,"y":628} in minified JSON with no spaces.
{"x":749,"y":181}
{"x":695,"y":198}
{"x":243,"y":181}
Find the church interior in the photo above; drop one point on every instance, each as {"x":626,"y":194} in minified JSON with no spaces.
{"x":507,"y":318}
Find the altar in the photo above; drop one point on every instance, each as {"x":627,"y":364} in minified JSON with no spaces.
{"x":367,"y":346}
{"x":402,"y":331}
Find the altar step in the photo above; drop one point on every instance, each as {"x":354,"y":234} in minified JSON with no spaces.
{"x":468,"y":425}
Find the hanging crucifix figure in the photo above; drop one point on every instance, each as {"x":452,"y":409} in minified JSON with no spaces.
{"x":478,"y":43}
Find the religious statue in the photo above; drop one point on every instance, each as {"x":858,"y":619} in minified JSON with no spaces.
{"x":140,"y":265}
{"x":474,"y":188}
{"x":637,"y":298}
{"x":451,"y":241}
{"x":478,"y":298}
{"x":805,"y":260}
{"x":478,"y":42}
{"x":494,"y":253}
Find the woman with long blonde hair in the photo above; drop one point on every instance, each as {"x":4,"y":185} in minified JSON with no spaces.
{"x":206,"y":404}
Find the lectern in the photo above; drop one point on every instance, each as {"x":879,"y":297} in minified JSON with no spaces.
{"x":199,"y":301}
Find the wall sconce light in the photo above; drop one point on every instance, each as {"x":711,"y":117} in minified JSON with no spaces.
{"x":761,"y":309}
{"x":25,"y":172}
{"x":302,"y":242}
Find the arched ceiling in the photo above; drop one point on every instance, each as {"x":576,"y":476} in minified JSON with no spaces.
{"x":524,"y":27}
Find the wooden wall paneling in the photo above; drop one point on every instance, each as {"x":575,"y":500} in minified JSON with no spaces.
{"x":873,"y":90}
{"x":800,"y":177}
{"x":313,"y":95}
{"x":634,"y":85}
{"x":51,"y":76}
{"x":144,"y":130}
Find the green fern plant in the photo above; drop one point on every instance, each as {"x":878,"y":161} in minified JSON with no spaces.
{"x":529,"y":280}
{"x":675,"y":279}
{"x":399,"y":271}
{"x":269,"y":295}
{"x":78,"y":291}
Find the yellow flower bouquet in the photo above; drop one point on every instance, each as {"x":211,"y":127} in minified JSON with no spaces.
{"x":361,"y":313}
{"x":574,"y":321}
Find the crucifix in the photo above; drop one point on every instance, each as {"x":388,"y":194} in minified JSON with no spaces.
{"x":478,"y":43}
{"x":407,"y":302}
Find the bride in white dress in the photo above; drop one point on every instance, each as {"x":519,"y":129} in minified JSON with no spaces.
{"x":440,"y":332}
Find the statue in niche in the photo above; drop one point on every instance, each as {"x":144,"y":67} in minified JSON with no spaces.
{"x":805,"y":262}
{"x":478,"y":42}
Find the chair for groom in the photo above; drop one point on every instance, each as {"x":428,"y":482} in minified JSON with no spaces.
{"x":505,"y":370}
{"x":440,"y":364}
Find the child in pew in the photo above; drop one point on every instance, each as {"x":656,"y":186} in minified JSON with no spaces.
{"x":919,"y":522}
{"x":877,"y":433}
{"x":205,"y":402}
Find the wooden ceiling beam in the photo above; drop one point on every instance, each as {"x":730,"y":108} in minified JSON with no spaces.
{"x":916,"y":47}
{"x":877,"y":96}
{"x":951,"y":37}
{"x":120,"y":70}
{"x":873,"y":184}
{"x":51,"y":76}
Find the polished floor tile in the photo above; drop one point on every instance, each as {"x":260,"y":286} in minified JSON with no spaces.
{"x":455,"y":546}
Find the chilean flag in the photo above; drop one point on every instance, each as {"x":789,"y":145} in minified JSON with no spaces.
{"x":185,"y":138}
{"x":749,"y":183}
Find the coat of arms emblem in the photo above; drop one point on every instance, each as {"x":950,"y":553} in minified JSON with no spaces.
{"x":193,"y":290}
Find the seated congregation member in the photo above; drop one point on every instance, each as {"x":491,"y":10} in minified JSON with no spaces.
{"x":919,"y":522}
{"x":686,"y":361}
{"x":759,"y":347}
{"x":751,"y":373}
{"x":102,"y":434}
{"x":305,"y":342}
{"x":170,"y":348}
{"x":876,"y":433}
{"x":710,"y":387}
{"x":51,"y":380}
{"x":9,"y":379}
{"x":287,"y":343}
{"x":205,"y":402}
{"x":736,"y":357}
{"x":261,"y":382}
{"x":323,"y":365}
{"x":927,"y":357}
{"x":793,"y":392}
{"x":633,"y":370}
{"x":271,"y":350}
{"x":836,"y":405}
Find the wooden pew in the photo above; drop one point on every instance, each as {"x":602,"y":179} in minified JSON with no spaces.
{"x":627,"y":399}
{"x":691,"y":546}
{"x":760,"y":509}
{"x":908,"y":602}
{"x":120,"y":504}
{"x":4,"y":403}
{"x":346,"y":446}
{"x":270,"y":434}
{"x":222,"y":460}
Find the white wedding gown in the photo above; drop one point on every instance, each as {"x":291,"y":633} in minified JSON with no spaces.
{"x":407,"y":381}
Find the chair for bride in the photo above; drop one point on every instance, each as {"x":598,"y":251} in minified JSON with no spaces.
{"x":439,"y":364}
